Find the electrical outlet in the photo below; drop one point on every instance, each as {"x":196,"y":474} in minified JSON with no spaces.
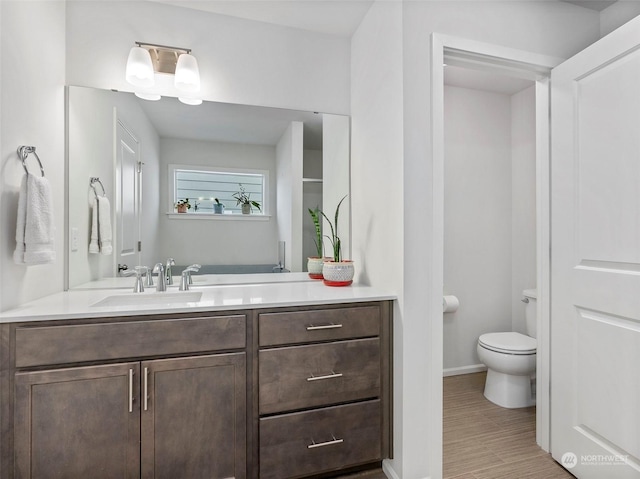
{"x":74,"y":239}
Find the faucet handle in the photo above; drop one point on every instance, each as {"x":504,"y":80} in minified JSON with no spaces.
{"x":194,"y":268}
{"x":149,"y":275}
{"x":138,"y":271}
{"x":185,"y":279}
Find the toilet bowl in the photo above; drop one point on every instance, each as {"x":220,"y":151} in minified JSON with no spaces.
{"x":510,"y":358}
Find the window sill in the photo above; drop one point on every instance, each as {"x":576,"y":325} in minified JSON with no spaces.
{"x":215,"y":217}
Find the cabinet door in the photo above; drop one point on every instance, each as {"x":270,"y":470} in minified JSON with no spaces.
{"x":78,"y":422}
{"x":194,"y":417}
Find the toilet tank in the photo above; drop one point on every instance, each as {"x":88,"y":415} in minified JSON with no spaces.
{"x":530,"y":312}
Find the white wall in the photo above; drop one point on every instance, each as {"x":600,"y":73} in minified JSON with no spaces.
{"x":32,"y":59}
{"x":289,"y":158}
{"x":91,"y":154}
{"x":523,"y":211}
{"x":391,"y":152}
{"x":215,"y":241}
{"x":240,"y":61}
{"x":477,"y":219}
{"x":378,"y":209}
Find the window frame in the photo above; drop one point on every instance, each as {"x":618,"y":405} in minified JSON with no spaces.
{"x":172,"y":188}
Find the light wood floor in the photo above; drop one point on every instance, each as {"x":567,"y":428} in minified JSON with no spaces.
{"x":484,"y":441}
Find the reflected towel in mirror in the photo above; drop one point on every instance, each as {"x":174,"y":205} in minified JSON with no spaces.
{"x":100,"y":226}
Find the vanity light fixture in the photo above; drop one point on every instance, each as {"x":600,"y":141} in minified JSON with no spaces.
{"x":146,"y":60}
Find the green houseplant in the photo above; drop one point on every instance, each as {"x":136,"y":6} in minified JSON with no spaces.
{"x":338,"y":271}
{"x":218,"y":208}
{"x":314,"y":263}
{"x":243,"y":198}
{"x":183,"y":205}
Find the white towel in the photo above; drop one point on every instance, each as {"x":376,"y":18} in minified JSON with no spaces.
{"x":101,"y":226}
{"x":34,"y":225}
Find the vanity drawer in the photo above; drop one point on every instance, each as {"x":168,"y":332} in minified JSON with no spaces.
{"x":37,"y":346}
{"x":318,"y":325}
{"x":299,"y":444}
{"x":298,"y":377}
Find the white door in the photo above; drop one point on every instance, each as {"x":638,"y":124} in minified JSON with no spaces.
{"x":127,"y":223}
{"x":595,"y":251}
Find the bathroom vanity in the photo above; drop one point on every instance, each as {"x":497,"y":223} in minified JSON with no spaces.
{"x":271,"y":381}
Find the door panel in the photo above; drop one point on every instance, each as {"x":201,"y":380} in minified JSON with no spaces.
{"x":77,"y":423}
{"x":127,"y":197}
{"x":595,"y":274}
{"x":194,"y":423}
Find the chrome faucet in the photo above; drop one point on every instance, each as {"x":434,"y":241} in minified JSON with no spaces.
{"x":185,"y":279}
{"x":162,"y":279}
{"x":167,"y":271}
{"x":138,"y":271}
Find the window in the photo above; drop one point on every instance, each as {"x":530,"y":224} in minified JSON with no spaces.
{"x":201,"y":185}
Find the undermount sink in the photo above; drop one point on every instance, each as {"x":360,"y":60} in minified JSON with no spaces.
{"x":152,"y":299}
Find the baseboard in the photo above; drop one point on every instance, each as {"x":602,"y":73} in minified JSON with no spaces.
{"x":474,"y":368}
{"x":388,"y":470}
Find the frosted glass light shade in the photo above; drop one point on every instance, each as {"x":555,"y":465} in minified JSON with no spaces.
{"x":187,"y":74}
{"x":139,"y":68}
{"x":190,"y":101}
{"x":148,"y":96}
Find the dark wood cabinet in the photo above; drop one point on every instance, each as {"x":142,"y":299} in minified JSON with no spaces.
{"x":78,"y":422}
{"x":268,"y":393}
{"x":193,"y":418}
{"x":324,"y":385}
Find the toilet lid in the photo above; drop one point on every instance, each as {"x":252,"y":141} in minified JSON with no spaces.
{"x":511,"y":343}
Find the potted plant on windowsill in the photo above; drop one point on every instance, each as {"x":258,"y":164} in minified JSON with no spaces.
{"x":183,"y":205}
{"x":218,"y":208}
{"x":243,"y":198}
{"x":314,"y":263}
{"x":337,"y":271}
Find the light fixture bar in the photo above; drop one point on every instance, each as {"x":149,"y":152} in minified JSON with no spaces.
{"x":163,"y":57}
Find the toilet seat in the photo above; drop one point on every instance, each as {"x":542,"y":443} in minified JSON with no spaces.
{"x":508,"y":343}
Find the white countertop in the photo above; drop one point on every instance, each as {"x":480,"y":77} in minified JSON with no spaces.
{"x":79,"y":303}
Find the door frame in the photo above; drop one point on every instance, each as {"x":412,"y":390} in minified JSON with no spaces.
{"x":530,"y":66}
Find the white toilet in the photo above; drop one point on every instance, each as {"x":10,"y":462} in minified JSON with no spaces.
{"x":511,"y":361}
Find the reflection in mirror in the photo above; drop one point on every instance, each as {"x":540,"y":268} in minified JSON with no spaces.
{"x":135,"y":147}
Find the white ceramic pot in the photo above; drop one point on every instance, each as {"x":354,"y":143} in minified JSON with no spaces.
{"x":314,"y":267}
{"x":338,"y":273}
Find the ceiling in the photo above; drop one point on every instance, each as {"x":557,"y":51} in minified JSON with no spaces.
{"x":484,"y":80}
{"x":333,"y":17}
{"x":229,"y":123}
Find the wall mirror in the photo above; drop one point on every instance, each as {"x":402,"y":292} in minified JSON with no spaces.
{"x":135,"y":146}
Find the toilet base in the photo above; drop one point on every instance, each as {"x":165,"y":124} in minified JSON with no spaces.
{"x":508,"y":390}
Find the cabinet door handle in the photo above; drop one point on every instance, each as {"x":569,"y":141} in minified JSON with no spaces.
{"x":130,"y":390}
{"x":326,"y":376}
{"x":314,"y":444}
{"x":313,"y":327}
{"x":146,"y":388}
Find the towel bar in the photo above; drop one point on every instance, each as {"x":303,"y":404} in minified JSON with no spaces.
{"x":24,"y":152}
{"x":95,"y":179}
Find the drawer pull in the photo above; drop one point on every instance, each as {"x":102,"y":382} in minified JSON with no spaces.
{"x":313,"y":444}
{"x":312,"y":327}
{"x":130,"y":390}
{"x":326,"y":376}
{"x":146,"y":388}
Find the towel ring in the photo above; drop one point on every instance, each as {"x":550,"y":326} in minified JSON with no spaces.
{"x":24,"y":152}
{"x":95,"y":179}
